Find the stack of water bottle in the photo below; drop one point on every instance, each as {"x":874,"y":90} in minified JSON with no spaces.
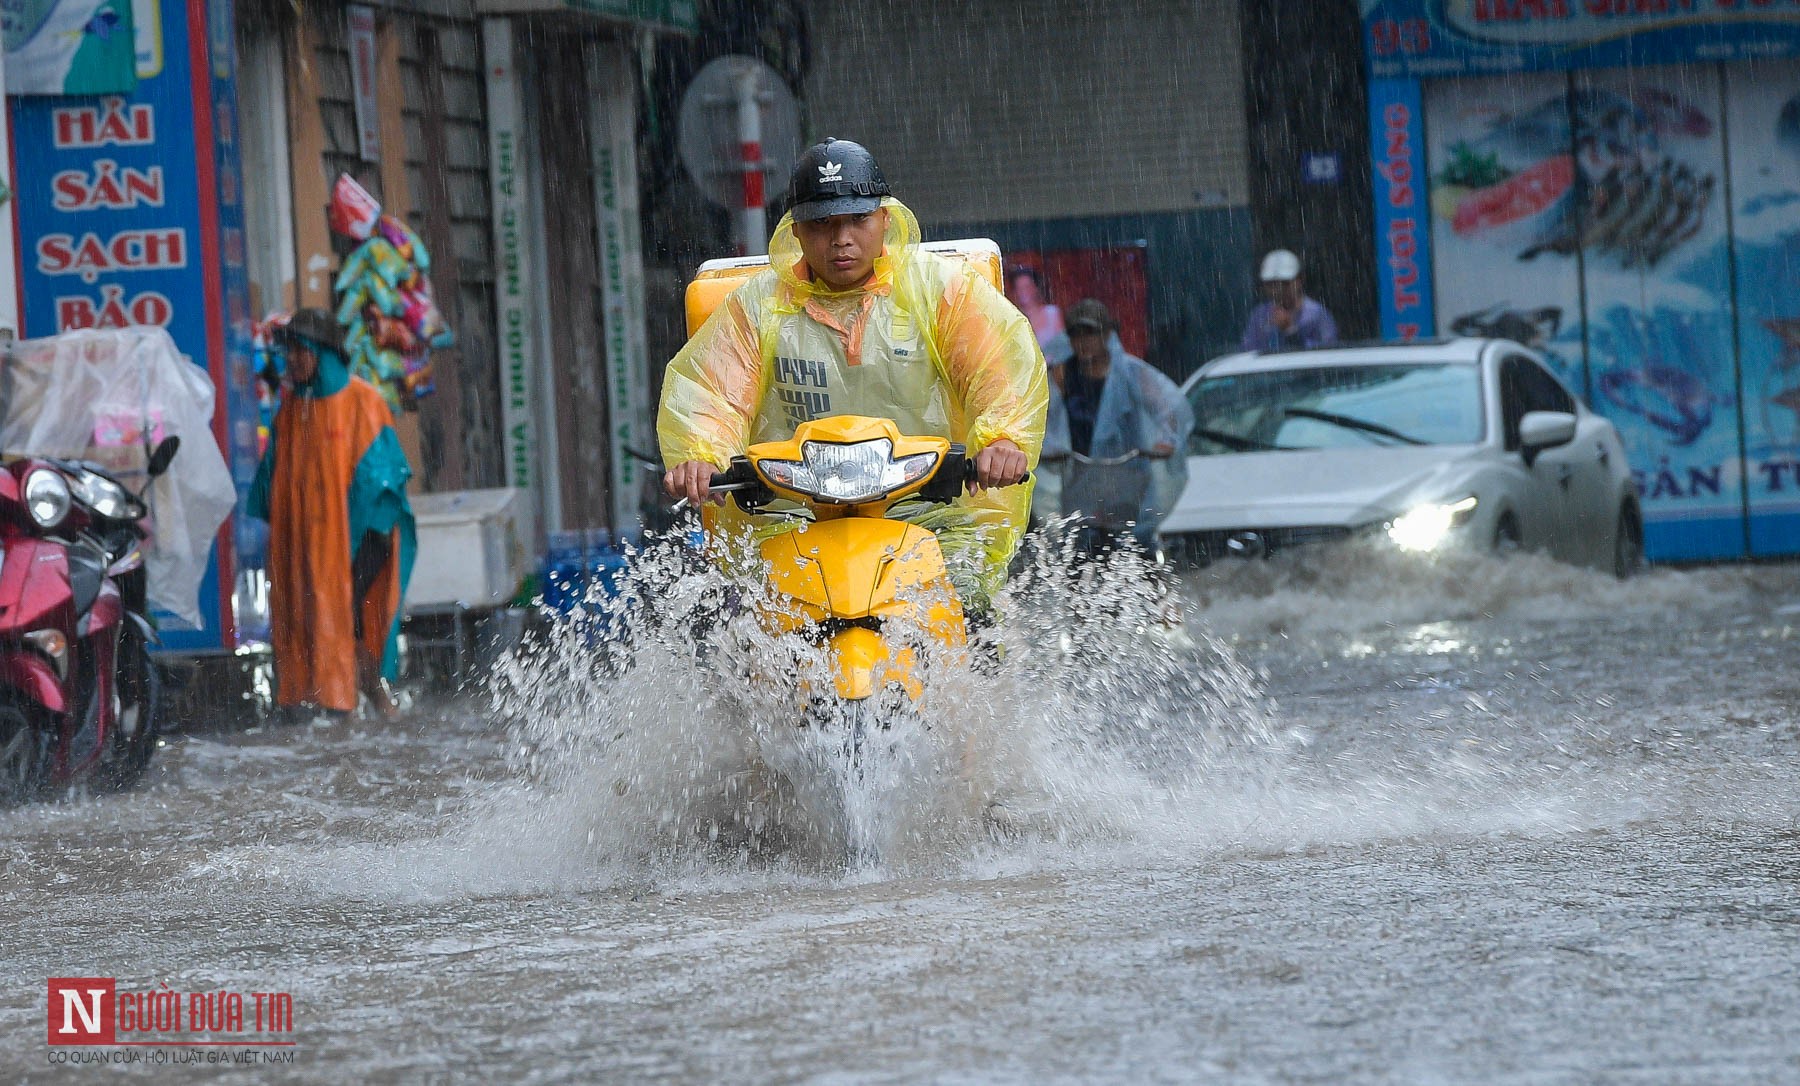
{"x":583,"y":569}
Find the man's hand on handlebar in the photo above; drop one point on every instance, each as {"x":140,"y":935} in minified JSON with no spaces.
{"x":1000,"y":464}
{"x":1162,"y":450}
{"x":692,"y":481}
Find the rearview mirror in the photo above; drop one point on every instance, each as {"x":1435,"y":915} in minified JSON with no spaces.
{"x":1540,"y":430}
{"x":165,"y":452}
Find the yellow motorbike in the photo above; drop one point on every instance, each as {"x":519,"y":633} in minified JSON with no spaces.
{"x":869,"y":594}
{"x":869,"y":597}
{"x":846,"y":575}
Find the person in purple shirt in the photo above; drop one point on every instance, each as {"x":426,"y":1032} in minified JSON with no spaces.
{"x":1289,"y":320}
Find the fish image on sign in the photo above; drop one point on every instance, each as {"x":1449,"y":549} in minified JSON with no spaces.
{"x":1502,"y":171}
{"x":1762,"y":103}
{"x":1649,"y":150}
{"x":70,"y":47}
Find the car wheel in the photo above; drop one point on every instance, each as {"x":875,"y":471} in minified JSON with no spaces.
{"x":1506,"y":537}
{"x":1628,"y":543}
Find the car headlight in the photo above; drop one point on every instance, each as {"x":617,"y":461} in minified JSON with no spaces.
{"x":47,"y":497}
{"x":1425,"y":527}
{"x":106,"y":497}
{"x":847,"y":474}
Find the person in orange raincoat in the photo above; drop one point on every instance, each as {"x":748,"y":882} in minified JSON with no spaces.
{"x":332,"y":486}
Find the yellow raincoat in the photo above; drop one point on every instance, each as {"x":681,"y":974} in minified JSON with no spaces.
{"x":926,"y":342}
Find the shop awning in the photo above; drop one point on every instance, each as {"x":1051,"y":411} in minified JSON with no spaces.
{"x":677,"y":15}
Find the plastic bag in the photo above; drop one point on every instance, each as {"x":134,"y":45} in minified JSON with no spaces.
{"x":101,"y":396}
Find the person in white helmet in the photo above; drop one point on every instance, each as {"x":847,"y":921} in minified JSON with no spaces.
{"x":1289,"y":320}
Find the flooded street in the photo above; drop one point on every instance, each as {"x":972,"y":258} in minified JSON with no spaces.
{"x":1479,"y":822}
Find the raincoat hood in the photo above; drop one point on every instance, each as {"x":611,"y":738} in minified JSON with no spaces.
{"x":899,"y":248}
{"x":331,"y":377}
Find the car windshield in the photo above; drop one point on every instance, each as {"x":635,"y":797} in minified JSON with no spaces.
{"x":1338,"y":407}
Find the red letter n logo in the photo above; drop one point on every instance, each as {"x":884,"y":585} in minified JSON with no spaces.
{"x":81,"y":1010}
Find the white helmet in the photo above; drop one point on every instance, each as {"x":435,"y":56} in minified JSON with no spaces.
{"x":1280,"y":266}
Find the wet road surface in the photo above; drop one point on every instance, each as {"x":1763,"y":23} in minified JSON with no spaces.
{"x":1476,"y":822}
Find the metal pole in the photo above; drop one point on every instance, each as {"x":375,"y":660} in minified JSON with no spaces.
{"x":753,"y":238}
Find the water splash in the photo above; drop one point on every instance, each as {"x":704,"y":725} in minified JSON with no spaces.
{"x":1087,"y":712}
{"x":1105,"y":718}
{"x":1359,"y":585}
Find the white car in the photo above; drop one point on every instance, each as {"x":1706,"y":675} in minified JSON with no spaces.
{"x":1470,"y":442}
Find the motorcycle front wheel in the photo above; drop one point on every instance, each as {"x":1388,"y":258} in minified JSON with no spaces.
{"x":23,"y":748}
{"x":841,"y":737}
{"x":138,"y":727}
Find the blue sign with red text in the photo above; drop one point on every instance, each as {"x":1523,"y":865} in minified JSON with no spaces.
{"x":1429,"y":39}
{"x":121,"y":222}
{"x":1402,"y":209}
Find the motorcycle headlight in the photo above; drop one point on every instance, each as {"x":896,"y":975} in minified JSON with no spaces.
{"x":847,"y":474}
{"x":47,"y":497}
{"x":106,"y":497}
{"x":1425,"y":527}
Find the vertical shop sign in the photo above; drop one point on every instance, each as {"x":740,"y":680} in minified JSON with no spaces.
{"x":127,"y":214}
{"x":614,"y":119}
{"x":232,"y":335}
{"x":9,"y":240}
{"x":362,"y":81}
{"x":1402,"y":208}
{"x":513,"y":288}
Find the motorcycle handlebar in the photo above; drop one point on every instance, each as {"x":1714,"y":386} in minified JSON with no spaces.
{"x":958,"y":472}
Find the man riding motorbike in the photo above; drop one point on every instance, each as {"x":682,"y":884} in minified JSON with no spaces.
{"x":854,"y":317}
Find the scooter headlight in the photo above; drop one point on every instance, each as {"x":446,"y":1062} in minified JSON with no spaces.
{"x":47,"y":497}
{"x":1425,"y":527}
{"x":106,"y":497}
{"x":864,"y":471}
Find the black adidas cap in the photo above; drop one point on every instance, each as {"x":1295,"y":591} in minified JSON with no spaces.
{"x":835,"y":177}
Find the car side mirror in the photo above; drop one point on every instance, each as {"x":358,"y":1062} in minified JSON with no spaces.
{"x":164,"y":453}
{"x":1540,"y":430}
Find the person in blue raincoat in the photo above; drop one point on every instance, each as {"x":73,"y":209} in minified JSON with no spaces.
{"x":1115,"y":403}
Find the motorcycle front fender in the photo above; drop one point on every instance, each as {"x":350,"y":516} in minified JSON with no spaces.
{"x":108,"y":611}
{"x":32,"y":676}
{"x":862,"y":663}
{"x":864,"y":567}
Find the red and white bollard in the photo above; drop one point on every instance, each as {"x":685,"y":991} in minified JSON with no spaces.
{"x":753,"y":237}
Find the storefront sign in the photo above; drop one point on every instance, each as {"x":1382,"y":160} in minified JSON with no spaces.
{"x":362,"y":79}
{"x":676,"y":15}
{"x":1580,"y":196}
{"x":614,"y":119}
{"x":1471,"y":37}
{"x":513,"y":287}
{"x":121,"y":222}
{"x":70,"y":46}
{"x":9,"y":241}
{"x":1402,"y":208}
